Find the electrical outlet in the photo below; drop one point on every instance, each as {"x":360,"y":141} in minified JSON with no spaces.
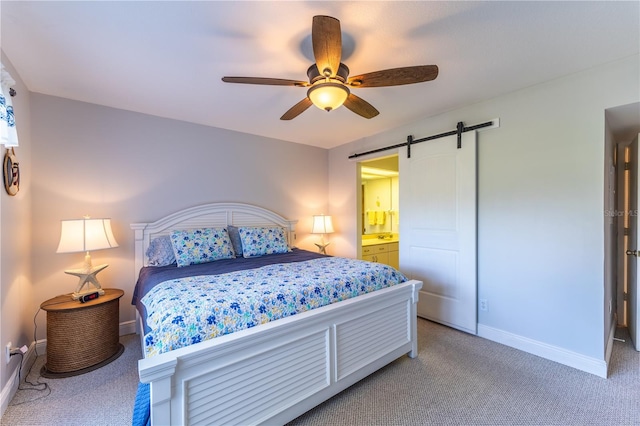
{"x":484,"y":306}
{"x":7,"y":353}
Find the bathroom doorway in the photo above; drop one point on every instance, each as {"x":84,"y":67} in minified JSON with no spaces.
{"x":378,"y":211}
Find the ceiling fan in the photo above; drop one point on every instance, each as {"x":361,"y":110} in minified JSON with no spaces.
{"x":329,"y":82}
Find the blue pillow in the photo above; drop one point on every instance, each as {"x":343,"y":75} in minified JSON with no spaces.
{"x":160,"y":252}
{"x":234,"y":235}
{"x":201,"y":246}
{"x":258,"y":241}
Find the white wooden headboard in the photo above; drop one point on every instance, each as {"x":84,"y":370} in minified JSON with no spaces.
{"x":207,"y":216}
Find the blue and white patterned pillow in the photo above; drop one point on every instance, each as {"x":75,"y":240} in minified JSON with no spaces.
{"x":160,"y":252}
{"x":258,"y":241}
{"x":201,"y":246}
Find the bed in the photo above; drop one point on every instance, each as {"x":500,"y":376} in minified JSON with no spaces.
{"x":272,"y":372}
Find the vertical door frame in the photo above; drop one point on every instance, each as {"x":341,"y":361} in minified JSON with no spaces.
{"x":621,"y":214}
{"x":359,"y":194}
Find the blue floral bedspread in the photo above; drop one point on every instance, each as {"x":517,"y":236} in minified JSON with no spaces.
{"x":189,"y":310}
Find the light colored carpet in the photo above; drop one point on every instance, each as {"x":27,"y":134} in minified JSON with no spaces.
{"x":457,"y":379}
{"x":460,"y":379}
{"x":103,"y":397}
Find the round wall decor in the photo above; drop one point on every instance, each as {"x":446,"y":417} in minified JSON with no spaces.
{"x":11,"y":171}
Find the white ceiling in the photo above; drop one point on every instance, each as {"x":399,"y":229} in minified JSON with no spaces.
{"x":167,"y":58}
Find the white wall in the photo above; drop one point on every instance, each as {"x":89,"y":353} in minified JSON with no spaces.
{"x":540,"y":195}
{"x":132,"y":167}
{"x":15,"y":236}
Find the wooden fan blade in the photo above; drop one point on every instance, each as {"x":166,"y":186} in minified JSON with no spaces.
{"x":360,"y":106}
{"x":395,"y":76}
{"x":326,"y":38}
{"x":267,"y":81}
{"x":297,"y":109}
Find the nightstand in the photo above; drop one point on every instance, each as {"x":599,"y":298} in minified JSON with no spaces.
{"x":82,"y":337}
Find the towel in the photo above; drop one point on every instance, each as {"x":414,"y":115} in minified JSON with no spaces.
{"x":371,"y":216}
{"x":381,"y":216}
{"x":8,"y":133}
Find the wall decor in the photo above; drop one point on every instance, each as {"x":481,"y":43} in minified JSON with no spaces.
{"x":11,"y":171}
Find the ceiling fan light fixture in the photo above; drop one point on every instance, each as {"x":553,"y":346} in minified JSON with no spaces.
{"x":328,"y":96}
{"x":329,"y":83}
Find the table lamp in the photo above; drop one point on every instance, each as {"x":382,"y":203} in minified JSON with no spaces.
{"x":84,"y":235}
{"x":322,"y":224}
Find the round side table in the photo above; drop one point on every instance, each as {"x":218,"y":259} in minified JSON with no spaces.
{"x":81,"y":337}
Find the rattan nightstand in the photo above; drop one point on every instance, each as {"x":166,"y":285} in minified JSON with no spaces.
{"x":81,"y":337}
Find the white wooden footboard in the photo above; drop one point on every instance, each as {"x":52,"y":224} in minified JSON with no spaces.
{"x":275,"y":372}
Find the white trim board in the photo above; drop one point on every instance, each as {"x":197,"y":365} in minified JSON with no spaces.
{"x":544,"y":350}
{"x":128,"y":327}
{"x":10,"y":389}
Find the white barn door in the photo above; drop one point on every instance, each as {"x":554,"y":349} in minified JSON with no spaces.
{"x":438,"y":228}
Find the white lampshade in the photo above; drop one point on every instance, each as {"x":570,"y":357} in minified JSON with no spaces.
{"x":328,"y":96}
{"x":86,"y":234}
{"x":322,"y":224}
{"x":83,"y":235}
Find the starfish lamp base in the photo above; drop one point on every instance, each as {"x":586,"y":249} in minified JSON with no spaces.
{"x":87,"y":277}
{"x":322,"y":247}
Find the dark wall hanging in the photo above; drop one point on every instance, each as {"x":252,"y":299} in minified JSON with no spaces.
{"x":11,"y":171}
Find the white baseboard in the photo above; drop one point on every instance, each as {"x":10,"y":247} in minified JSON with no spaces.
{"x":128,"y":327}
{"x":36,"y":349}
{"x":10,"y":389}
{"x":544,"y":350}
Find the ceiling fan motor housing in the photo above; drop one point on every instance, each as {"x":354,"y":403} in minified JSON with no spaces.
{"x":314,"y":74}
{"x":328,"y":93}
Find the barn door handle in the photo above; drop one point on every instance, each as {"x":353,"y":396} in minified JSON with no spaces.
{"x":632,"y":253}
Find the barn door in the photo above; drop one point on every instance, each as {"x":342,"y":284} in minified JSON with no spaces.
{"x":438,"y":228}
